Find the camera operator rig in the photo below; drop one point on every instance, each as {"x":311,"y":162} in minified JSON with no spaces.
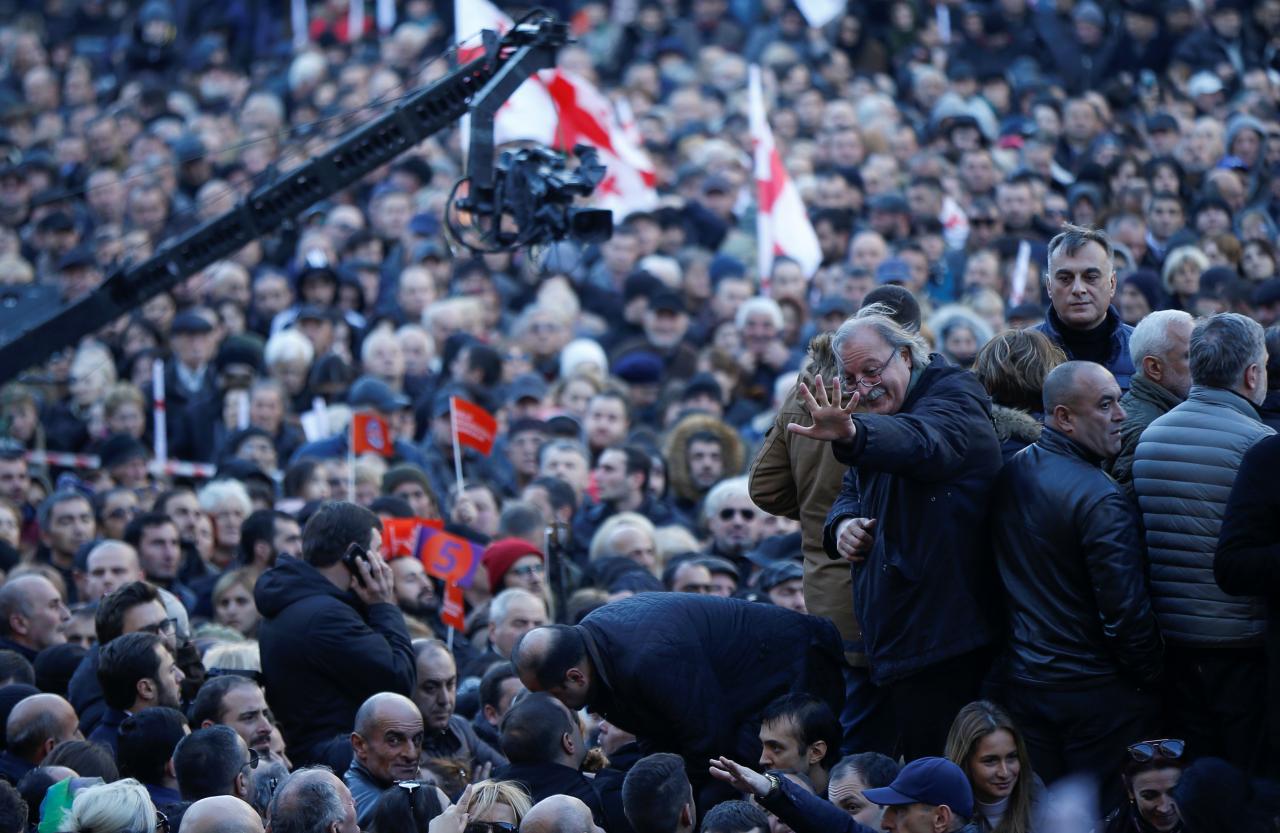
{"x":525,"y":199}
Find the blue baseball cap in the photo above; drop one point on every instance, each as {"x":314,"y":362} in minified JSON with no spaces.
{"x":933,"y":781}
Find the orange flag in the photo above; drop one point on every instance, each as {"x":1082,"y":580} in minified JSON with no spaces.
{"x":370,"y":432}
{"x":453,"y":613}
{"x":475,"y":427}
{"x":399,"y":535}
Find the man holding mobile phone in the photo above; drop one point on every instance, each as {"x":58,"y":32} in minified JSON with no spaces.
{"x":331,"y":634}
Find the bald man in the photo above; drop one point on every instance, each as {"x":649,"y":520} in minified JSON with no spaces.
{"x":387,"y":743}
{"x":32,"y":614}
{"x":558,"y":814}
{"x":36,"y":725}
{"x":221,"y":814}
{"x":1070,"y":556}
{"x":313,"y":799}
{"x":110,"y":565}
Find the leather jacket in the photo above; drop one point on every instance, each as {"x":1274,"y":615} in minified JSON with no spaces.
{"x":1069,"y":553}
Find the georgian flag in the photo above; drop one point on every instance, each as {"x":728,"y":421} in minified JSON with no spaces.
{"x":782,"y":224}
{"x":560,"y":110}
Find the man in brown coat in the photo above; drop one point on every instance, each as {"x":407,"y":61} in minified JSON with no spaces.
{"x":795,"y":477}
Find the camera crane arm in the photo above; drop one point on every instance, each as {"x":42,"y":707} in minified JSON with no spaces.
{"x":30,"y":336}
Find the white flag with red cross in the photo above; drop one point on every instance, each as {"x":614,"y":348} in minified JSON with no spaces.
{"x":782,"y":224}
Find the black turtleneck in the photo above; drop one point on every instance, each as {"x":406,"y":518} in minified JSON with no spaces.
{"x":1087,"y":345}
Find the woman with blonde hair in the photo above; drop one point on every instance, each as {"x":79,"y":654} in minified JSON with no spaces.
{"x":495,"y":803}
{"x":1181,"y":275}
{"x":1012,"y":367}
{"x":233,"y":604}
{"x":985,"y":743}
{"x":112,"y":808}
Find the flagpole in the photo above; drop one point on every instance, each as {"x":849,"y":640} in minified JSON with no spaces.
{"x":351,"y":460}
{"x":449,"y":640}
{"x":457,"y":449}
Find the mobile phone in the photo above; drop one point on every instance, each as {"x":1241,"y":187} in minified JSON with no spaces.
{"x":352,"y":558}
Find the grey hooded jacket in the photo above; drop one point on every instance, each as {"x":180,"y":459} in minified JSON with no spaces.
{"x":1183,"y":470}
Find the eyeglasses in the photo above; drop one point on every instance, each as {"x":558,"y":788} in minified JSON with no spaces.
{"x":1170,"y":748}
{"x":983,"y":221}
{"x":162,"y":822}
{"x":254,"y":758}
{"x":528,"y":570}
{"x":490,"y":827}
{"x":121,"y":512}
{"x":163,"y":626}
{"x":727,"y":514}
{"x":870,"y":380}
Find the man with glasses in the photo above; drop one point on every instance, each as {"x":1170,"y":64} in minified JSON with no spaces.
{"x":922,"y":454}
{"x":733,"y":522}
{"x":214,"y":761}
{"x":136,"y":671}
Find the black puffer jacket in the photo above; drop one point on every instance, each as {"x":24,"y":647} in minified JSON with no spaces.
{"x":1069,"y":553}
{"x":691,"y":674}
{"x":324,"y":653}
{"x":925,"y":474}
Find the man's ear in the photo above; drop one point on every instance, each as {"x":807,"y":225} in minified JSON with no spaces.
{"x":817,"y":751}
{"x":206,"y":723}
{"x":942,"y":818}
{"x":18,"y":624}
{"x":1152,"y":368}
{"x":145,"y":689}
{"x":687,"y":815}
{"x":358,"y":746}
{"x":1062,"y":415}
{"x":261,"y":551}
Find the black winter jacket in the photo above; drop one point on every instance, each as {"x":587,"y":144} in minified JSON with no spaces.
{"x":1248,"y":557}
{"x":691,"y":674}
{"x":1068,"y":548}
{"x":925,"y":474}
{"x":324,"y":653}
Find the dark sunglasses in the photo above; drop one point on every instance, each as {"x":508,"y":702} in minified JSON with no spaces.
{"x":982,"y":221}
{"x":490,"y":827}
{"x":727,"y":514}
{"x":1169,"y":748}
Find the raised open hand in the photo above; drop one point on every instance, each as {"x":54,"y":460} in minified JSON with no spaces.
{"x":739,"y":777}
{"x":831,"y":420}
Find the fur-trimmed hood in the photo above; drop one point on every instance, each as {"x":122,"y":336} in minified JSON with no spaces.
{"x":735,"y":453}
{"x":1014,"y":424}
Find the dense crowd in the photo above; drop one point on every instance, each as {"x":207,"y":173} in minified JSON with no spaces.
{"x":973,"y":526}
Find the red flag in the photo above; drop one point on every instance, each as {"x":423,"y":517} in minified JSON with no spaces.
{"x":447,"y":556}
{"x":476,"y":428}
{"x":453,"y":613}
{"x":370,"y":432}
{"x":399,"y":535}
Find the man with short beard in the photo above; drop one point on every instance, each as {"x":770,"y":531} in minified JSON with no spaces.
{"x":136,"y":671}
{"x":448,"y":735}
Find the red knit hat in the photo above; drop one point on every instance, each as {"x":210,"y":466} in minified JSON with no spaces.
{"x":500,"y":555}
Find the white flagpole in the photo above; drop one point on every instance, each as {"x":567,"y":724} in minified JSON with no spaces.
{"x":161,"y":428}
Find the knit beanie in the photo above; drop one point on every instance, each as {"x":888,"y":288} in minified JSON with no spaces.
{"x":500,"y":555}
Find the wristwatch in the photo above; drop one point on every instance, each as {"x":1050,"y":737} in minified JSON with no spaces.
{"x":774,"y":785}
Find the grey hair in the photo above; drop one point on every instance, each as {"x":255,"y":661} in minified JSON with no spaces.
{"x":1074,"y":238}
{"x":768,"y":306}
{"x":1223,"y":346}
{"x":303,"y":804}
{"x":722,"y":491}
{"x":500,"y":607}
{"x":1151,"y":336}
{"x":879,"y":317}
